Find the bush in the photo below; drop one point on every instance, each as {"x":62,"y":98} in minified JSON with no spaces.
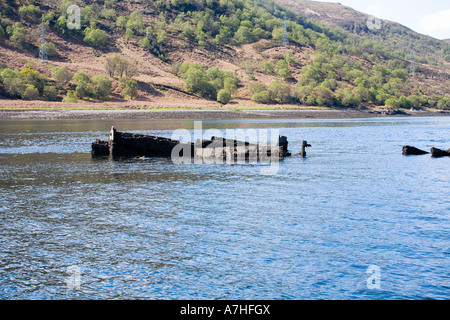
{"x":266,"y":67}
{"x":81,"y":76}
{"x":18,"y":35}
{"x":101,"y":87}
{"x":323,"y":96}
{"x":129,"y":87}
{"x":223,"y":96}
{"x":120,"y":66}
{"x":260,"y":97}
{"x":12,"y":82}
{"x":256,"y":87}
{"x":404,"y":102}
{"x":391,"y":103}
{"x":70,"y":97}
{"x":61,"y":75}
{"x":50,"y":93}
{"x":29,"y":12}
{"x":51,"y":49}
{"x":280,"y":92}
{"x":95,"y":38}
{"x":30,"y":93}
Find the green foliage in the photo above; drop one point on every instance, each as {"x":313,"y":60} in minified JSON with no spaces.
{"x":279,"y":92}
{"x":260,"y":97}
{"x":256,"y":87}
{"x":129,"y":87}
{"x":30,"y":93}
{"x":223,"y":96}
{"x":70,"y":97}
{"x":29,"y":12}
{"x":51,"y":49}
{"x":391,"y":103}
{"x":207,"y":83}
{"x":101,"y":87}
{"x":61,"y":75}
{"x":50,"y":93}
{"x":119,"y":66}
{"x":346,"y":98}
{"x":95,"y":38}
{"x":266,"y":67}
{"x":17,"y":34}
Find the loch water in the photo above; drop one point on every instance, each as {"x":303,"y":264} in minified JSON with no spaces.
{"x":355,"y":219}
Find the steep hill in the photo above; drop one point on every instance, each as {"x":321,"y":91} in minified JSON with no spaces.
{"x":198,"y":52}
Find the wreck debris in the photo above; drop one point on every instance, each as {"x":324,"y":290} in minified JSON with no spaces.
{"x":437,"y":153}
{"x":126,"y":145}
{"x":409,"y":150}
{"x":305,"y":144}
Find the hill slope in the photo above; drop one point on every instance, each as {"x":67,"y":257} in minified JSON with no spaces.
{"x":187,"y":52}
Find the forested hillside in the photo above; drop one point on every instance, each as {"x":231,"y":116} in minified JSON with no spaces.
{"x":215,"y":50}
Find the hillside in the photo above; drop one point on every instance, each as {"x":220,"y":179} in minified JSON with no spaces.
{"x":207,"y":54}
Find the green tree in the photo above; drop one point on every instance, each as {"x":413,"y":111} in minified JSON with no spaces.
{"x":61,"y":75}
{"x":266,"y":67}
{"x":30,"y":93}
{"x":129,"y":87}
{"x":280,"y":92}
{"x":260,"y":97}
{"x":244,"y":35}
{"x":50,"y":93}
{"x":18,"y":35}
{"x":70,"y":97}
{"x":29,"y":12}
{"x":101,"y":87}
{"x":223,"y":96}
{"x":256,"y":87}
{"x":95,"y":38}
{"x":323,"y":96}
{"x":391,"y":103}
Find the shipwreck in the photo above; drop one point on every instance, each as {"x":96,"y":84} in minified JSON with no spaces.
{"x":435,"y":152}
{"x":132,"y":145}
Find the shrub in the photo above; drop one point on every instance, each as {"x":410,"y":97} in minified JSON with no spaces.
{"x":323,"y":96}
{"x":223,"y":96}
{"x":101,"y":87}
{"x":129,"y":86}
{"x":120,"y":66}
{"x":391,"y":103}
{"x":256,"y":87}
{"x":266,"y":67}
{"x":50,"y":93}
{"x":279,"y":91}
{"x":61,"y":75}
{"x":30,"y":93}
{"x":18,"y":35}
{"x":70,"y":97}
{"x":29,"y":12}
{"x":51,"y":49}
{"x":81,"y":76}
{"x":260,"y":97}
{"x":404,"y":102}
{"x":95,"y":38}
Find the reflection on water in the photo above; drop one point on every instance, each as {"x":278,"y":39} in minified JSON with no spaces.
{"x":150,"y":229}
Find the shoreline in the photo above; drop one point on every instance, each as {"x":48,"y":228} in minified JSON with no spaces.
{"x":200,"y":114}
{"x":184,"y":110}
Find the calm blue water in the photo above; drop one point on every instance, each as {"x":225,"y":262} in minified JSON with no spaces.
{"x":150,"y":229}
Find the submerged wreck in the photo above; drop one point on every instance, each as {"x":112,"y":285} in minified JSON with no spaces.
{"x":131,"y":145}
{"x":435,"y":152}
